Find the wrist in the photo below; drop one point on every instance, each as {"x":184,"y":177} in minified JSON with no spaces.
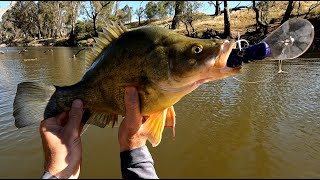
{"x":63,"y":166}
{"x":62,"y":171}
{"x":131,"y":143}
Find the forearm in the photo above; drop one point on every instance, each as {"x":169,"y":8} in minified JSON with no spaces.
{"x":137,"y":163}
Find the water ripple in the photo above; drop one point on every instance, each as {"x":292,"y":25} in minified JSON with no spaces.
{"x":228,"y":128}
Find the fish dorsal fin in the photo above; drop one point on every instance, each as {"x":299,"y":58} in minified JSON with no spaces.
{"x":111,"y":32}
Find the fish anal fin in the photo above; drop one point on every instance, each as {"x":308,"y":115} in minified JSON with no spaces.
{"x":154,"y":126}
{"x":171,"y":120}
{"x":102,"y":119}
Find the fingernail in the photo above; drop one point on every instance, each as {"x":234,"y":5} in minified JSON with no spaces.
{"x":77,"y":103}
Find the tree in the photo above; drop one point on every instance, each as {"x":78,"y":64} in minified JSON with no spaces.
{"x":260,"y":24}
{"x":190,"y":15}
{"x":40,"y":19}
{"x":179,"y":7}
{"x":226,"y":15}
{"x":288,"y":11}
{"x":139,"y":12}
{"x":46,"y":18}
{"x":151,"y":10}
{"x":311,"y":8}
{"x":163,"y":8}
{"x":170,"y":5}
{"x":94,"y":10}
{"x":24,"y":19}
{"x":74,"y":10}
{"x":53,"y":18}
{"x":127,"y":13}
{"x":216,"y":5}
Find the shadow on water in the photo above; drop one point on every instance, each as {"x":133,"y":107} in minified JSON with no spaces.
{"x":225,"y":129}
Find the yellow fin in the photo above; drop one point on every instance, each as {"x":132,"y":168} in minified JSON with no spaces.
{"x":111,"y":32}
{"x":154,"y":126}
{"x":171,"y":120}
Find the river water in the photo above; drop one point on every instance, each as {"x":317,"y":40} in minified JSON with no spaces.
{"x":269,"y":128}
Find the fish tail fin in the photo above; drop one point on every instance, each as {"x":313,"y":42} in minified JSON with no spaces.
{"x":30,"y":102}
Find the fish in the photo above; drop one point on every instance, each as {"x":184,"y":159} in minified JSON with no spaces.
{"x":163,"y":65}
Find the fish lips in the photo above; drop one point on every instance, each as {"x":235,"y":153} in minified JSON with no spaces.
{"x":220,"y":67}
{"x":223,"y":56}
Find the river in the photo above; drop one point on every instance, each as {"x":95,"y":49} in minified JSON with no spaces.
{"x":268,"y":128}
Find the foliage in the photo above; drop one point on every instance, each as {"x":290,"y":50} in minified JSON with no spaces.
{"x":164,"y":8}
{"x":83,"y":30}
{"x":97,"y":11}
{"x":191,"y":15}
{"x":151,"y":10}
{"x":38,"y":20}
{"x":127,"y":11}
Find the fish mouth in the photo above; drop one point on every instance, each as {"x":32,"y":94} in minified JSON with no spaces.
{"x":224,"y":53}
{"x":218,"y":70}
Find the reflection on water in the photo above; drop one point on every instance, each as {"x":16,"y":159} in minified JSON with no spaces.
{"x":225,"y":129}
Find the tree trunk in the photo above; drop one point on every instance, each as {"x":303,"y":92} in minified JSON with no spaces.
{"x":259,"y":24}
{"x":217,"y":12}
{"x":226,"y":14}
{"x":95,"y":32}
{"x":177,"y":14}
{"x":39,"y":34}
{"x":72,"y":36}
{"x":288,"y":12}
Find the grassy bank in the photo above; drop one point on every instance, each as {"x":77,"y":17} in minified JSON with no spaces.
{"x":243,"y":22}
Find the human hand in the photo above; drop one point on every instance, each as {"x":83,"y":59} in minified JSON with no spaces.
{"x":130,"y":134}
{"x":62,"y":143}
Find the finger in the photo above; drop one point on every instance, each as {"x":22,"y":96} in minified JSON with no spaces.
{"x":62,"y":119}
{"x":75,"y":116}
{"x":132,"y":105}
{"x":57,"y":120}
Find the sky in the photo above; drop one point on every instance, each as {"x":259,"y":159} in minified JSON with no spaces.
{"x":135,"y":4}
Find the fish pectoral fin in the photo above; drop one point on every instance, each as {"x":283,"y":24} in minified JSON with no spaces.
{"x":101,"y":119}
{"x":171,"y":120}
{"x":154,"y":126}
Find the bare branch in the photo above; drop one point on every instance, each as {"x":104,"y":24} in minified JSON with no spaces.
{"x":311,"y":8}
{"x":298,"y":9}
{"x":92,"y":7}
{"x":237,"y":5}
{"x":141,"y":6}
{"x":87,"y":12}
{"x":104,"y":5}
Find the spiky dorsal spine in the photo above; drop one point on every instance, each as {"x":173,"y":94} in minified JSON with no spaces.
{"x":111,"y":32}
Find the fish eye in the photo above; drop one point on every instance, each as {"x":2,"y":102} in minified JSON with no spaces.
{"x":197,"y":49}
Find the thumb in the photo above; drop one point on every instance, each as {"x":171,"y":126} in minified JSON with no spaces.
{"x":132,"y":105}
{"x":75,"y":116}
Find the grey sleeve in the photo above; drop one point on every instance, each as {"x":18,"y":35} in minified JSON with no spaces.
{"x":137,"y":163}
{"x":47,"y":175}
